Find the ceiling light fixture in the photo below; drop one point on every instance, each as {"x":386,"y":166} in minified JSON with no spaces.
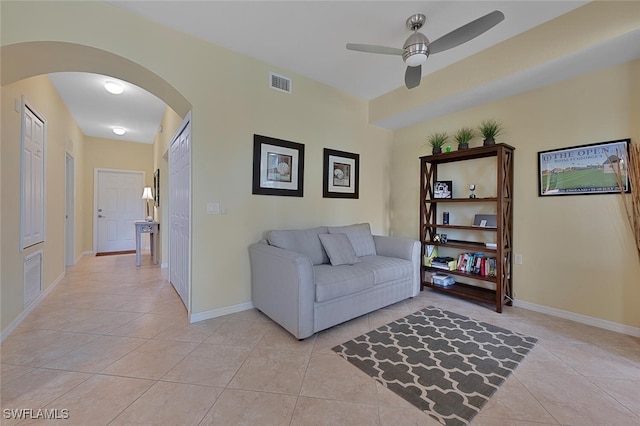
{"x":119,"y":131}
{"x":113,"y":87}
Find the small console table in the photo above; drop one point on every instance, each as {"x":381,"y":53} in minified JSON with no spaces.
{"x":151,"y":228}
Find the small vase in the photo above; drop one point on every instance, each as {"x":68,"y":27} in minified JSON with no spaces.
{"x":463,"y":146}
{"x":436,"y":150}
{"x":489,"y":141}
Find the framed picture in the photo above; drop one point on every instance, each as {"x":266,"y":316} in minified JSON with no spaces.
{"x":584,"y":169}
{"x":443,"y":189}
{"x":156,"y":187}
{"x":340,"y":174}
{"x":278,"y":167}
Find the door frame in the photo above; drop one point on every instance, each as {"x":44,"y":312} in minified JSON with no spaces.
{"x":95,"y":198}
{"x":70,"y":210}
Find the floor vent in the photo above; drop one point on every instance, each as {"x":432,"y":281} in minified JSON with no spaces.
{"x":32,"y":277}
{"x":279,"y":82}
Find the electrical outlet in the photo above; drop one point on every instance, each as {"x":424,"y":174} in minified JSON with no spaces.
{"x":518,"y":259}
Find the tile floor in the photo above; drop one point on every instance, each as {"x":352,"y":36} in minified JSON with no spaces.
{"x":111,"y":344}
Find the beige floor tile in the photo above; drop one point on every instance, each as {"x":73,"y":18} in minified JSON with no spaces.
{"x":38,"y":347}
{"x":211,"y":365}
{"x":170,"y":404}
{"x":272,"y":370}
{"x":332,"y":377}
{"x":151,"y":360}
{"x":238,"y":407}
{"x":98,"y":322}
{"x":148,"y":325}
{"x":405,"y":416}
{"x":277,"y":337}
{"x":38,"y":388}
{"x":10,"y":372}
{"x":239,"y":333}
{"x":594,"y":361}
{"x":626,"y":392}
{"x":96,"y":355}
{"x":573,"y":400}
{"x":542,"y":361}
{"x":98,"y":400}
{"x":185,"y":332}
{"x":514,"y":402}
{"x":320,"y":412}
{"x":481,"y":420}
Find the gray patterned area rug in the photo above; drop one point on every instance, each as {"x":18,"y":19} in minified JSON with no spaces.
{"x":446,"y":364}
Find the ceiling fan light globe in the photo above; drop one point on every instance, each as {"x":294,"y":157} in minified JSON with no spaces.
{"x":416,"y":59}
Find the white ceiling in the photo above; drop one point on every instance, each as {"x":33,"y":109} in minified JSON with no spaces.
{"x":304,"y":37}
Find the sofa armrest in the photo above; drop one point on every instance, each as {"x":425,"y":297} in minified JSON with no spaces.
{"x":283,"y":287}
{"x":402,"y":248}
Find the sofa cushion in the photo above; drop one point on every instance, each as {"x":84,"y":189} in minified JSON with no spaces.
{"x":339,"y":249}
{"x":303,"y":241}
{"x":336,"y":281}
{"x":360,"y":237}
{"x":387,"y":269}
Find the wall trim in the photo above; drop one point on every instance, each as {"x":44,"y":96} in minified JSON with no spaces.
{"x":215,"y":313}
{"x":583,"y":319}
{"x":16,"y":322}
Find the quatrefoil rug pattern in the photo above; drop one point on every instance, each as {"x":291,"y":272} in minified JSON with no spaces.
{"x":446,"y":364}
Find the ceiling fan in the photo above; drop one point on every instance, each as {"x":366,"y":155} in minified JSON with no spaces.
{"x":418,"y":47}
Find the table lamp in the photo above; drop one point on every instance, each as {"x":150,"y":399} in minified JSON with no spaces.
{"x":147,"y":195}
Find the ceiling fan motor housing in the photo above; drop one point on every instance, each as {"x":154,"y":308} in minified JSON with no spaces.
{"x":416,"y":49}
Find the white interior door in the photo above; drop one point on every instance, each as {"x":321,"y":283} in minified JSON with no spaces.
{"x":180,"y":211}
{"x":119,"y":205}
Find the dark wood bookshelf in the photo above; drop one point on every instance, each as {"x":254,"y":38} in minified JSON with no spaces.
{"x":503,"y":202}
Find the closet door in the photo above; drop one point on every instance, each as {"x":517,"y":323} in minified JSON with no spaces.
{"x":180,"y":211}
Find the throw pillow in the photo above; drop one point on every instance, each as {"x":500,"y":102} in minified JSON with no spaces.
{"x":360,"y":237}
{"x":339,"y":249}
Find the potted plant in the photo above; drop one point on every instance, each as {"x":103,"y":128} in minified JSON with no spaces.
{"x":437,"y":140}
{"x":463,"y":136}
{"x":490,"y":129}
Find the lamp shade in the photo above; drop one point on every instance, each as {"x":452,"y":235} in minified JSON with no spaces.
{"x":147,"y":194}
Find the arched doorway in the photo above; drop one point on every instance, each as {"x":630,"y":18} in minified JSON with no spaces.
{"x":23,"y":60}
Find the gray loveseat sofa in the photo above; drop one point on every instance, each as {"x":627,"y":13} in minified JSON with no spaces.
{"x":312,"y":279}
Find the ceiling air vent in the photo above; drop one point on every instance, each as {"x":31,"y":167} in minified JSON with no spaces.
{"x":279,"y":82}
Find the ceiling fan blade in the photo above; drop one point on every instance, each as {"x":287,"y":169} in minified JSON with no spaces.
{"x":466,"y":32}
{"x":370,"y":48}
{"x":412,"y":76}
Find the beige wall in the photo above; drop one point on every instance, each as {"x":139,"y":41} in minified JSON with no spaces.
{"x":116,"y":155}
{"x":230,"y":102}
{"x":63,"y":135}
{"x":578,"y":254}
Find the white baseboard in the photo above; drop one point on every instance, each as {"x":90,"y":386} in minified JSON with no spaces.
{"x":30,"y":307}
{"x":164,"y":265}
{"x":201,"y":316}
{"x":583,"y":319}
{"x":88,"y":253}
